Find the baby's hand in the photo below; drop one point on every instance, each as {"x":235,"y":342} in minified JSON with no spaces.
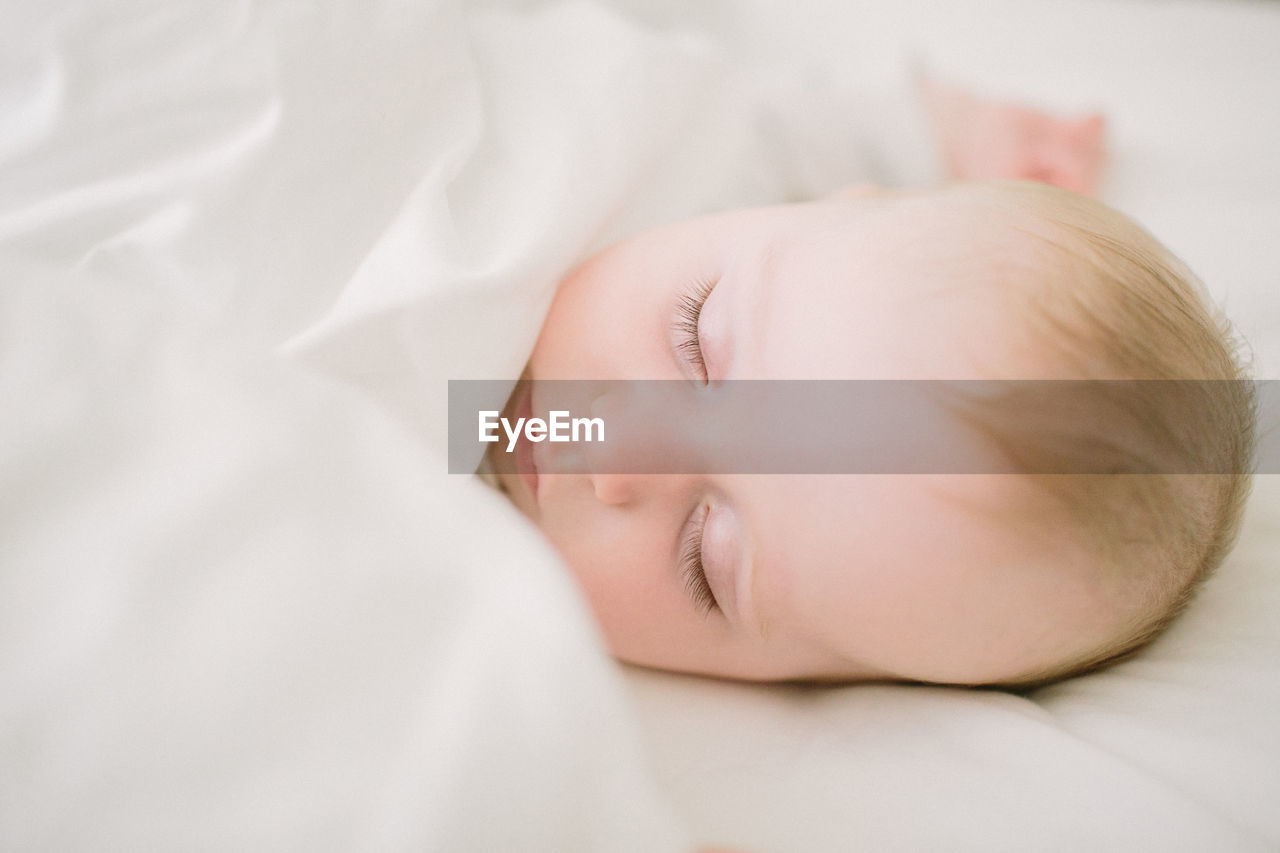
{"x":993,"y":139}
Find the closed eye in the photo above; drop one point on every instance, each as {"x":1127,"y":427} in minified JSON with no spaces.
{"x":688,"y":341}
{"x":695,"y":576}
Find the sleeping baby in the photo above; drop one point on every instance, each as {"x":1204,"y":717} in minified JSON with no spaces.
{"x":1012,"y":579}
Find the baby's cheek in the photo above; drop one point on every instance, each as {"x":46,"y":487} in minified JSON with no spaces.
{"x":584,"y":320}
{"x":611,"y":319}
{"x":612,"y":576}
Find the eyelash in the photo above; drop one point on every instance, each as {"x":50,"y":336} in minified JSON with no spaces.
{"x":689,"y":309}
{"x":695,"y":576}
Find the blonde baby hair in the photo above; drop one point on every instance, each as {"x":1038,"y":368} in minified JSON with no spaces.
{"x":1118,"y":305}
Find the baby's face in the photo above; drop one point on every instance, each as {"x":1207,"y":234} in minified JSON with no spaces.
{"x":812,"y":576}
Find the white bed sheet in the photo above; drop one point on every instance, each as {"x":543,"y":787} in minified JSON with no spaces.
{"x":240,"y":608}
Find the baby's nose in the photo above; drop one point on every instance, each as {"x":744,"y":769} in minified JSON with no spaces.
{"x":640,"y":440}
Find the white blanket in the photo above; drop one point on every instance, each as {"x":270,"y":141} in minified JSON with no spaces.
{"x":240,"y":610}
{"x":244,"y":608}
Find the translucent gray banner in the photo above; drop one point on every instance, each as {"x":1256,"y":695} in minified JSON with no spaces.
{"x":870,"y":427}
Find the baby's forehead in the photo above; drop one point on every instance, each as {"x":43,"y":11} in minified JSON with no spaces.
{"x":924,"y":244}
{"x":907,"y":292}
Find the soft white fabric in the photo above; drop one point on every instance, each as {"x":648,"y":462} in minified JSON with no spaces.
{"x":239,"y":611}
{"x":244,"y":609}
{"x":568,"y":127}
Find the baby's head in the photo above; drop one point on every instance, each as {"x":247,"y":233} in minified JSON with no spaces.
{"x":953,"y":578}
